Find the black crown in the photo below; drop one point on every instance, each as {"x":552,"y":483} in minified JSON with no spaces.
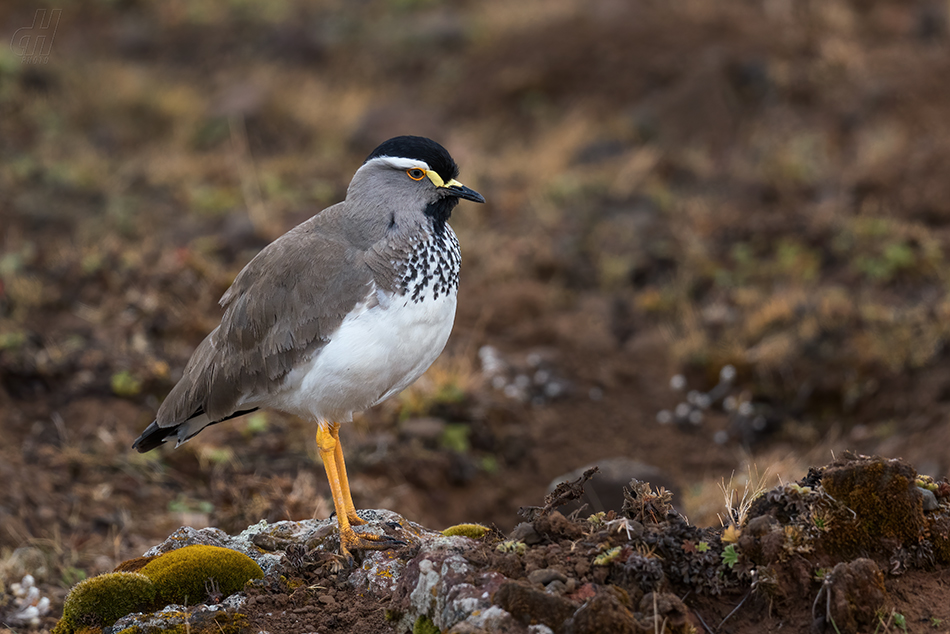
{"x":422,"y":149}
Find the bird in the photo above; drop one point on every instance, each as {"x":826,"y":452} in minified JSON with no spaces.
{"x":338,"y":314}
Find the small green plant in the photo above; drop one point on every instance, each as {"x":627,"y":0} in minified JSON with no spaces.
{"x":184,"y":504}
{"x":488,"y":464}
{"x":702,"y":547}
{"x":895,"y":617}
{"x":424,"y":625}
{"x":72,"y":575}
{"x":935,"y":622}
{"x":729,"y":556}
{"x":124,"y":383}
{"x":511,"y":546}
{"x":900,"y":621}
{"x":607,"y":556}
{"x":12,"y":340}
{"x":455,"y":437}
{"x":256,"y":424}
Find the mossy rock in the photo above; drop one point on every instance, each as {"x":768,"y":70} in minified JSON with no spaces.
{"x":102,"y":600}
{"x":884,"y":500}
{"x":187,"y":576}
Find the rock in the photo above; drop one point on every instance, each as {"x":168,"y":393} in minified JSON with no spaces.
{"x":666,"y":608}
{"x":852,"y":596}
{"x":546,"y":576}
{"x":557,"y":587}
{"x":605,"y":612}
{"x":525,"y":532}
{"x":929,"y":500}
{"x":529,"y":605}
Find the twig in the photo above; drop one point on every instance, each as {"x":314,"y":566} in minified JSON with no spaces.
{"x":734,"y":610}
{"x":706,"y":627}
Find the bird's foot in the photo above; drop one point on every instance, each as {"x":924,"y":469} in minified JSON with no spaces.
{"x":352,"y":518}
{"x":355,"y":520}
{"x":351,"y":540}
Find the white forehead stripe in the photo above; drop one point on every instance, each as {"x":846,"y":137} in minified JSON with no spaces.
{"x":401,"y":163}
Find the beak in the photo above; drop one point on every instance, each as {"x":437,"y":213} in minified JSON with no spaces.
{"x":461,"y":191}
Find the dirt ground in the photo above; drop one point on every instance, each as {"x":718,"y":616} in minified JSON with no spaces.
{"x":673,"y":188}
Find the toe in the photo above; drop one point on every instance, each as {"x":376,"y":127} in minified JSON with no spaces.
{"x":351,"y":540}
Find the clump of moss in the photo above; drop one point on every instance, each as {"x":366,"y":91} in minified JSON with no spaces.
{"x":883,"y":497}
{"x":474,"y":531}
{"x":190,"y":574}
{"x":424,"y":625}
{"x":102,"y":600}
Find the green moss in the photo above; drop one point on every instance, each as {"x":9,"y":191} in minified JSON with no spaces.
{"x":392,"y":615}
{"x":475,"y":531}
{"x":424,"y":625}
{"x":102,"y":600}
{"x":881,"y":503}
{"x":186,"y":576}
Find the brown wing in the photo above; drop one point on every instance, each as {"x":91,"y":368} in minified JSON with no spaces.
{"x":281,"y":309}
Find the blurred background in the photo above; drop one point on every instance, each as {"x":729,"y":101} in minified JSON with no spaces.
{"x":714,"y":249}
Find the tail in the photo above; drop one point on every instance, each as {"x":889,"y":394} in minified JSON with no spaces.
{"x":155,"y":436}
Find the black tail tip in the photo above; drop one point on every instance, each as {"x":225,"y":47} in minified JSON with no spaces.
{"x":153,"y":436}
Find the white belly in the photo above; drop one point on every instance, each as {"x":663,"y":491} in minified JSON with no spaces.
{"x":376,"y":353}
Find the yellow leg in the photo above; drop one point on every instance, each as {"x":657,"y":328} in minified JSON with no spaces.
{"x":348,"y":507}
{"x":332,"y":455}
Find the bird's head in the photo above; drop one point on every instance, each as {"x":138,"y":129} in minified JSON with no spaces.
{"x":409,"y":178}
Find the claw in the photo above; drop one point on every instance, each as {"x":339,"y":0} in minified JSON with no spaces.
{"x":351,"y":540}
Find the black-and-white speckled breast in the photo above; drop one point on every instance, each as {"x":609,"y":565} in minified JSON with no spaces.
{"x":431,"y":268}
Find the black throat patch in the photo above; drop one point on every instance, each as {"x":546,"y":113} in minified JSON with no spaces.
{"x":440,"y":211}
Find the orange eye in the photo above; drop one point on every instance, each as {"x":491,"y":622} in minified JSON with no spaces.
{"x":416,"y":174}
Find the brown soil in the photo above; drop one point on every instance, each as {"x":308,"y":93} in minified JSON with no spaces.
{"x":672,"y":187}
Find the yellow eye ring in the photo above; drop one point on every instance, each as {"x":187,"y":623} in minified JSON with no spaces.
{"x":416,"y":174}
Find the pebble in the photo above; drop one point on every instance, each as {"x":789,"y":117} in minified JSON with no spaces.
{"x":930,"y":500}
{"x":544,"y":576}
{"x":555,"y":587}
{"x":524,"y":532}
